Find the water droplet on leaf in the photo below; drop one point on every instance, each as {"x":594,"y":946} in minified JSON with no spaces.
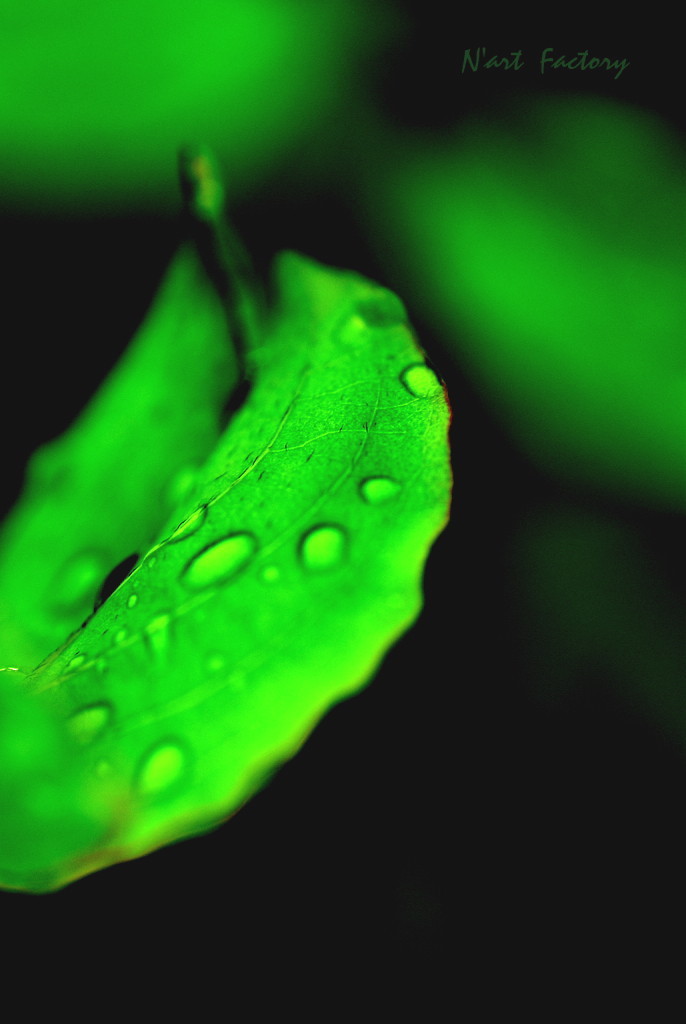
{"x":376,"y":490}
{"x":90,"y":722}
{"x":190,"y":525}
{"x":379,"y":311}
{"x":220,"y":561}
{"x":421,"y":381}
{"x":382,"y":310}
{"x":157,"y":631}
{"x":160,"y":768}
{"x":323,"y":547}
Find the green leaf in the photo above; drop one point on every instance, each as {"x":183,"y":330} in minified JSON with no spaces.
{"x":100,"y":492}
{"x":277,"y":563}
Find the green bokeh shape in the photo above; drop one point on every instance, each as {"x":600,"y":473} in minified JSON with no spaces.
{"x":96,"y":98}
{"x":547,"y":248}
{"x":189,"y":686}
{"x":592,"y":610}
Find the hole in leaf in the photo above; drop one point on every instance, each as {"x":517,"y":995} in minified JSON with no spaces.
{"x":114,"y":579}
{"x":235,"y":401}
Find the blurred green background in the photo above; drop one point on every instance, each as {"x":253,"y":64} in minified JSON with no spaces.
{"x":520,"y":757}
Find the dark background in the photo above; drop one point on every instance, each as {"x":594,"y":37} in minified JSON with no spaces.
{"x":446,"y":831}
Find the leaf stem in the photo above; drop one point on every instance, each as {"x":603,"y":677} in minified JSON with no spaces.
{"x":220,"y":249}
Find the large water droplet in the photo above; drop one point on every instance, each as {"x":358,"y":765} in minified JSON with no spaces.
{"x":190,"y":525}
{"x":376,"y":490}
{"x":421,"y":381}
{"x":132,"y":601}
{"x":220,"y":561}
{"x":77,"y":580}
{"x":161,"y":768}
{"x":76,"y":661}
{"x":90,"y":722}
{"x":323,"y":547}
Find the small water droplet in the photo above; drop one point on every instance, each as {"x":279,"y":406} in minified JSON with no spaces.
{"x":421,"y":381}
{"x":353,"y":330}
{"x":376,"y":490}
{"x":90,"y":722}
{"x":120,"y":636}
{"x":215,"y":662}
{"x":77,"y":581}
{"x":77,"y":660}
{"x":323,"y":547}
{"x":190,"y":525}
{"x":160,"y":768}
{"x":132,"y":601}
{"x":157,"y":631}
{"x":384,"y":309}
{"x":270,"y":573}
{"x":220,"y":560}
{"x":381,"y":310}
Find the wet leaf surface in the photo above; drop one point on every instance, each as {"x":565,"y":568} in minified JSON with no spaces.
{"x":277,"y":562}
